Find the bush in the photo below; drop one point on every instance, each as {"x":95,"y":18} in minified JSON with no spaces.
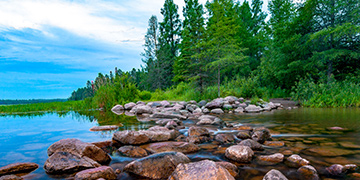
{"x":145,"y":95}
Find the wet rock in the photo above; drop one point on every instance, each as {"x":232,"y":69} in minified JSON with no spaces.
{"x":239,"y":110}
{"x":157,"y":166}
{"x":232,"y":168}
{"x":163,"y":122}
{"x":337,"y":129}
{"x":205,"y":169}
{"x":274,"y":175}
{"x":350,"y":168}
{"x":117,"y":108}
{"x":11,"y":177}
{"x":252,"y":109}
{"x":210,"y":120}
{"x":239,"y":153}
{"x":329,"y":151}
{"x":160,"y":135}
{"x":129,"y":106}
{"x":165,"y":104}
{"x":198,"y":131}
{"x":65,"y":162}
{"x":104,"y":172}
{"x":75,"y":146}
{"x":17,"y":168}
{"x":243,"y":128}
{"x":168,"y":116}
{"x":349,"y":145}
{"x":252,"y":144}
{"x":261,"y":135}
{"x":270,"y":159}
{"x":308,"y":172}
{"x":171,"y":125}
{"x":217,"y":111}
{"x":274,"y":143}
{"x":133,"y":151}
{"x":183,"y":147}
{"x":336,"y":170}
{"x":130,"y":137}
{"x":225,"y":138}
{"x":199,"y":139}
{"x":244,"y":134}
{"x":142,"y":109}
{"x":104,"y":128}
{"x":296,"y":161}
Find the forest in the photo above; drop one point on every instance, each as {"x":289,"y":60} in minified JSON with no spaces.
{"x":309,"y":51}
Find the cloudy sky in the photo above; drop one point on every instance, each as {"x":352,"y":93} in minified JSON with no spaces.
{"x":48,"y":48}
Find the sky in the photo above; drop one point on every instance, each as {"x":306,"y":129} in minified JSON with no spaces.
{"x":49,"y":48}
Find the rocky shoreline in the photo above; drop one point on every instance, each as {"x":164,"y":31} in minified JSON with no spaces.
{"x":164,"y":150}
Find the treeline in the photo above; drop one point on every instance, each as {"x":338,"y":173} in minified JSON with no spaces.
{"x":308,"y":50}
{"x":28,"y":101}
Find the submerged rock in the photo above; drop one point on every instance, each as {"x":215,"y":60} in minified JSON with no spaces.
{"x":201,"y":170}
{"x":75,"y":146}
{"x":17,"y":168}
{"x":157,"y":166}
{"x":274,"y":175}
{"x":104,"y":172}
{"x":239,"y":153}
{"x":270,"y":159}
{"x":329,"y":151}
{"x":252,"y":144}
{"x":183,"y":147}
{"x":65,"y":162}
{"x":10,"y":177}
{"x":104,"y":128}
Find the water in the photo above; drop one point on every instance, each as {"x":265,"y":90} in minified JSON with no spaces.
{"x":25,"y":138}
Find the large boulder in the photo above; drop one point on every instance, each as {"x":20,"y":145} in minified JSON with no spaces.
{"x":239,"y":153}
{"x":231,"y":99}
{"x":308,"y":172}
{"x":75,"y":146}
{"x":17,"y":168}
{"x":130,"y":137}
{"x":165,"y":103}
{"x":65,"y":162}
{"x":274,"y":175}
{"x":217,"y":111}
{"x":205,"y":169}
{"x":252,"y":144}
{"x":142,"y":109}
{"x":168,"y":116}
{"x":232,"y":168}
{"x":104,"y":172}
{"x":157,"y":135}
{"x":296,"y":161}
{"x":198,"y":131}
{"x":133,"y":151}
{"x":270,"y":159}
{"x":117,"y":108}
{"x":183,"y":147}
{"x":210,"y":120}
{"x":157,"y":166}
{"x":214,"y":105}
{"x":253,"y":109}
{"x":261,"y":134}
{"x":129,"y":106}
{"x":225,"y":138}
{"x":239,"y":110}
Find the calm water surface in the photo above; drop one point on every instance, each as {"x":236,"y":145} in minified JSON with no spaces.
{"x":25,"y":138}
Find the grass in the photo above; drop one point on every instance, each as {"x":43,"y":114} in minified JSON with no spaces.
{"x":43,"y":107}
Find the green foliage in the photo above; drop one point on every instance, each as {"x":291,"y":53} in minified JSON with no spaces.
{"x":145,"y":95}
{"x":43,"y":107}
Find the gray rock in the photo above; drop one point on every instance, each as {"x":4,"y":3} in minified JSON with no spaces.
{"x":201,"y":170}
{"x":253,"y":109}
{"x":261,"y":135}
{"x":202,"y":103}
{"x":206,"y":111}
{"x":130,"y":137}
{"x":183,"y":147}
{"x":296,"y":161}
{"x":239,"y":110}
{"x":274,"y":175}
{"x":213,"y":105}
{"x":239,"y":153}
{"x":243,"y":105}
{"x":197,"y":111}
{"x":117,"y":108}
{"x":217,"y":111}
{"x":104,"y":172}
{"x":225,"y":138}
{"x":157,"y":166}
{"x":104,"y":128}
{"x":227,"y":106}
{"x":244,"y":134}
{"x":231,"y":99}
{"x":160,"y":135}
{"x":252,"y":144}
{"x":142,"y":109}
{"x":169,"y":116}
{"x":165,"y":104}
{"x":129,"y":106}
{"x":308,"y":172}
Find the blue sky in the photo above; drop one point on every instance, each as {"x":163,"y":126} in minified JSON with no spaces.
{"x":50,"y":48}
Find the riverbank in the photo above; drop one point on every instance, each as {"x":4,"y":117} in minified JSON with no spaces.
{"x":200,"y":137}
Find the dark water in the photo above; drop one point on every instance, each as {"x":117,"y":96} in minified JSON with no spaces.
{"x":25,"y":138}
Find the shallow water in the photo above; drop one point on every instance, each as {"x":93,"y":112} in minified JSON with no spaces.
{"x":25,"y":138}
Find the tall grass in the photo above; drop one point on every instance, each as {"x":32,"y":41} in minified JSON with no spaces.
{"x":43,"y":107}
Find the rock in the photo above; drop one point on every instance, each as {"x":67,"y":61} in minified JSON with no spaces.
{"x":308,"y":172}
{"x":336,"y":170}
{"x":11,"y":177}
{"x":202,"y":103}
{"x":217,"y":111}
{"x":130,"y":137}
{"x":129,"y":106}
{"x":261,"y":135}
{"x":171,"y":125}
{"x":270,"y":159}
{"x":157,"y":166}
{"x":75,"y":146}
{"x":197,"y":111}
{"x":160,"y":135}
{"x":140,"y":102}
{"x":191,"y":107}
{"x":225,"y":138}
{"x":244,"y":134}
{"x":17,"y":168}
{"x":296,"y":161}
{"x":192,"y":102}
{"x":117,"y":108}
{"x":227,"y":106}
{"x":133,"y":151}
{"x":349,"y":145}
{"x":351,"y":168}
{"x":274,"y":143}
{"x":239,"y":153}
{"x":231,"y":99}
{"x":104,"y":172}
{"x":163,"y":122}
{"x":213,"y":105}
{"x":209,"y":120}
{"x":165,"y":104}
{"x":274,"y":175}
{"x":239,"y":110}
{"x":199,"y":139}
{"x":243,"y":105}
{"x":65,"y":162}
{"x":329,"y":151}
{"x":198,"y":131}
{"x":169,"y":116}
{"x":142,"y":109}
{"x":201,"y":170}
{"x":183,"y":147}
{"x":252,"y":109}
{"x":104,"y":128}
{"x":206,"y":111}
{"x":232,"y":168}
{"x":252,"y":144}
